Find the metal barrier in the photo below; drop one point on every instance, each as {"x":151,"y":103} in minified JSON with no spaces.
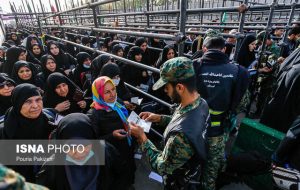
{"x":126,"y":61}
{"x":181,"y":13}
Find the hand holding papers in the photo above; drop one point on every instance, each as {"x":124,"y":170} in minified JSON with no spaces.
{"x":134,"y":118}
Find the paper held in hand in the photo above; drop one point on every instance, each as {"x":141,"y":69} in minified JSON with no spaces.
{"x":134,"y":118}
{"x":136,"y":100}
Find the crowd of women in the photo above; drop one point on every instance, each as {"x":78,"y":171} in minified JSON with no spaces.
{"x":89,"y":90}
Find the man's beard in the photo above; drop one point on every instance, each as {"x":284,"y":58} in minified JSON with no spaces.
{"x":175,"y":97}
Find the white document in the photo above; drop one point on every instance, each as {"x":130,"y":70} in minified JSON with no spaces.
{"x":144,"y":87}
{"x":138,"y":156}
{"x":156,"y":177}
{"x":134,"y":118}
{"x":136,"y":100}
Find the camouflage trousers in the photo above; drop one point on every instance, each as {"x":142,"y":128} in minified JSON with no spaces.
{"x":215,"y":162}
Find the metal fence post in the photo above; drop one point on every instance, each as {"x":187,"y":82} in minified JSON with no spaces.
{"x":268,"y":30}
{"x":183,"y":5}
{"x":240,"y":30}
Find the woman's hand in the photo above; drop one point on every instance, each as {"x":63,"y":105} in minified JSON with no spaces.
{"x":129,"y":106}
{"x":120,"y":134}
{"x":82,"y":104}
{"x":265,"y":70}
{"x":63,"y":106}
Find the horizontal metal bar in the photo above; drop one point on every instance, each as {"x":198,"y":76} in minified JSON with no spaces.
{"x":150,"y":96}
{"x":88,"y":5}
{"x":142,"y":34}
{"x":199,"y":10}
{"x":168,"y":30}
{"x":123,"y":60}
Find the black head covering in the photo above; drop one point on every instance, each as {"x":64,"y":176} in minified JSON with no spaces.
{"x":135,"y":50}
{"x":51,"y":98}
{"x":17,"y":41}
{"x":4,"y":77}
{"x":75,"y":125}
{"x":33,"y":58}
{"x":77,"y":37}
{"x":12,"y":56}
{"x":132,"y":39}
{"x":16,"y":126}
{"x":245,"y":57}
{"x":42,"y":51}
{"x":81,"y":57}
{"x":44,"y":60}
{"x":55,"y":79}
{"x":78,"y":126}
{"x":16,"y":69}
{"x":106,"y":41}
{"x":98,"y":63}
{"x":5,"y":101}
{"x":29,"y":39}
{"x":85,"y":40}
{"x":163,"y":57}
{"x":110,"y":70}
{"x":57,"y":45}
{"x":21,"y":93}
{"x":62,"y":59}
{"x":116,"y":48}
{"x":140,"y":41}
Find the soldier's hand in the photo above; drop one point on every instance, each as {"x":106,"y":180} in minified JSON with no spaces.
{"x":151,"y":117}
{"x":137,"y":132}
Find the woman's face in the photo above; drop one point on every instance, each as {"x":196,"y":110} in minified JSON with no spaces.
{"x":171,"y":54}
{"x":62,"y":89}
{"x":76,"y":155}
{"x":110,"y":93}
{"x":6,"y":88}
{"x":24,"y":73}
{"x":22,"y":56}
{"x":120,"y":53}
{"x":14,"y":37}
{"x":144,"y":46}
{"x":87,"y":62}
{"x":36,"y":50}
{"x":32,"y":107}
{"x":51,"y":65}
{"x":252,"y":46}
{"x":54,"y":49}
{"x":138,"y":58}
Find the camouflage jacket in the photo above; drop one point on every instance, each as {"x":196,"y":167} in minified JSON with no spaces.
{"x":274,"y":49}
{"x":11,"y":180}
{"x":177,"y":150}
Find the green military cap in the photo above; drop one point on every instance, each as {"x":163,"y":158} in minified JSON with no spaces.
{"x":174,"y":70}
{"x":210,"y":33}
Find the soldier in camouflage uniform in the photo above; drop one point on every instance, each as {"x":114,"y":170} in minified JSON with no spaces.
{"x":9,"y":179}
{"x":185,"y":135}
{"x":267,"y":72}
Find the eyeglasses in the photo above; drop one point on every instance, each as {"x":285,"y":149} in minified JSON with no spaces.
{"x":8,"y":84}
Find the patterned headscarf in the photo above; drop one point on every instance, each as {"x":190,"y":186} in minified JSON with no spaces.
{"x":99,"y":104}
